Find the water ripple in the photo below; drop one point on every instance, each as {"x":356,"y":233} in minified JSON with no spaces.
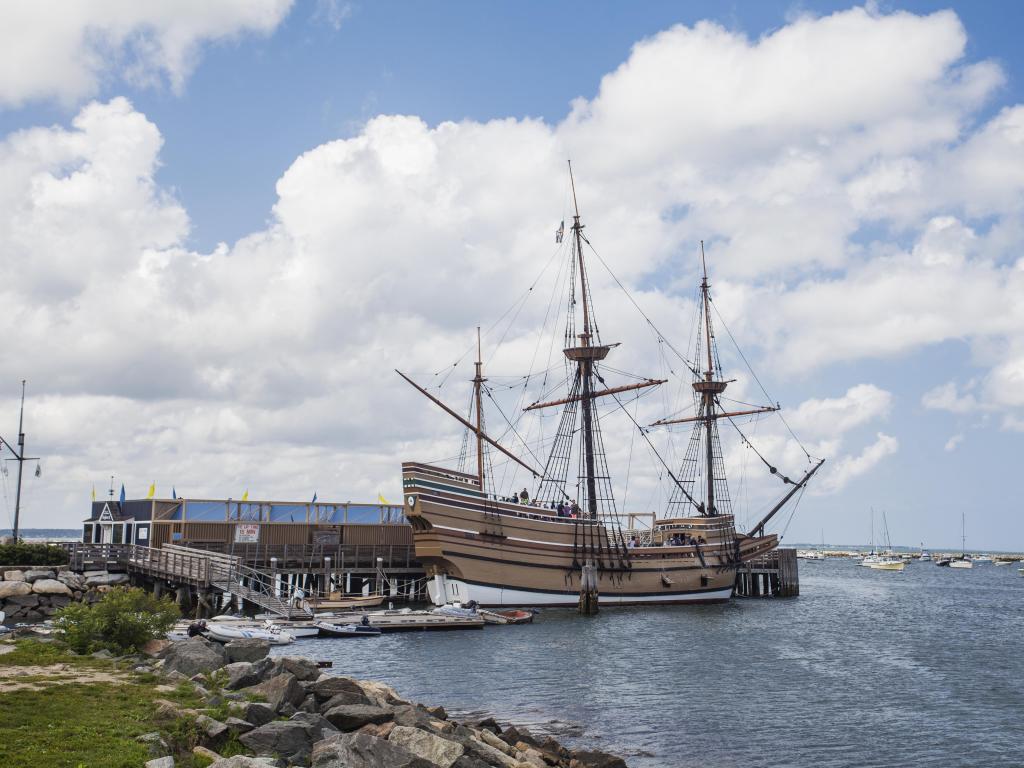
{"x":866,"y":668}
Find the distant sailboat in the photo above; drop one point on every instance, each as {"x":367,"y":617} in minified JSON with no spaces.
{"x":889,"y":561}
{"x":963,"y":561}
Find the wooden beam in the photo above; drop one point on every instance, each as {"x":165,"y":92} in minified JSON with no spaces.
{"x":466,"y":423}
{"x":599,"y":393}
{"x":759,"y":528}
{"x":765,"y":409}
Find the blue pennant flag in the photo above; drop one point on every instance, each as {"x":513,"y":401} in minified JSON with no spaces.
{"x":314,"y":497}
{"x":122,"y":494}
{"x":174,"y":492}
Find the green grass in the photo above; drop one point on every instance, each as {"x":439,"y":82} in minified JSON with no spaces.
{"x":29,"y":653}
{"x":89,"y":724}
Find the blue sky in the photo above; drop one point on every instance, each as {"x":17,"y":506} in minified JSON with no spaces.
{"x":252,"y":138}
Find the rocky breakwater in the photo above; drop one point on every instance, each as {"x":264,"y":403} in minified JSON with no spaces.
{"x":34,"y":594}
{"x":287,"y":712}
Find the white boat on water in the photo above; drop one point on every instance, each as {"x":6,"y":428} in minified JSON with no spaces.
{"x":963,"y":561}
{"x":225,"y":633}
{"x":296,"y":629}
{"x":982,"y":559}
{"x":809,"y":554}
{"x":889,"y":564}
{"x":1002,"y":562}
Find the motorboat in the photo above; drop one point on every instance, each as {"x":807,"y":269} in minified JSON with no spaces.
{"x":809,"y":554}
{"x":327,"y":629}
{"x":961,"y":562}
{"x":889,"y":564}
{"x":943,"y":562}
{"x":982,"y":559}
{"x":460,"y":610}
{"x":506,"y":617}
{"x":225,"y":633}
{"x":925,"y":556}
{"x":296,"y":629}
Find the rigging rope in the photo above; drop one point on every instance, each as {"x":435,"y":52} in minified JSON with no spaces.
{"x":754,"y":375}
{"x":660,"y":335}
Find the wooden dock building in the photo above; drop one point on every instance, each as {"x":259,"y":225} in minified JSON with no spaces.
{"x":318,"y":547}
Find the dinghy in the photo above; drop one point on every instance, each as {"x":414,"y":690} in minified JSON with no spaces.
{"x":293,"y":628}
{"x":225,"y":633}
{"x":506,"y":617}
{"x":347,"y":630}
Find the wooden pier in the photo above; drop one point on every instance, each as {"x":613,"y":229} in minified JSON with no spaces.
{"x":210,"y":579}
{"x":774,"y":574}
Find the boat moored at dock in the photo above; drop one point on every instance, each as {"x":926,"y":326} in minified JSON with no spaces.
{"x":532,"y":548}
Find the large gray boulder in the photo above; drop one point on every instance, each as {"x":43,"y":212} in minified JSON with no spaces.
{"x":50,"y":587}
{"x":107,"y":580}
{"x":349,"y":717}
{"x":161,"y":762}
{"x":243,"y":761}
{"x":341,"y":699}
{"x":213,"y":731}
{"x":327,"y":687}
{"x":361,"y":750}
{"x":194,"y":656}
{"x":259,"y":713}
{"x":291,"y":739}
{"x":303,"y":669}
{"x":14,"y":588}
{"x":279,"y":691}
{"x":238,"y":725}
{"x":241,"y":674}
{"x":247,"y":650}
{"x":34,"y":574}
{"x":72,"y":579}
{"x":24,"y":601}
{"x":14,"y":575}
{"x":596,"y":759}
{"x":439,"y":751}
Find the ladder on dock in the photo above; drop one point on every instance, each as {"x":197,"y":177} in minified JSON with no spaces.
{"x":227,"y":574}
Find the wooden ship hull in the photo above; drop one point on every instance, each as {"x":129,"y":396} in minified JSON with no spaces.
{"x":503,"y":554}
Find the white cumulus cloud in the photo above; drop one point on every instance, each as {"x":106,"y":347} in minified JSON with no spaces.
{"x":58,"y":50}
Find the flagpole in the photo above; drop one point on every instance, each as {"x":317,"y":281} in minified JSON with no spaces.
{"x":21,"y":462}
{"x":21,"y":458}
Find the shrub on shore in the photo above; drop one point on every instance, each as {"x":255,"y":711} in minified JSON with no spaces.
{"x":122,"y":621}
{"x":32,"y":554}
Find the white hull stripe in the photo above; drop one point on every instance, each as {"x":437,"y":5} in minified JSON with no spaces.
{"x":458,"y":590}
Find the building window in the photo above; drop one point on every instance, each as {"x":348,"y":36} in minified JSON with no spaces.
{"x":118,"y":534}
{"x":87,"y":534}
{"x":127,"y":533}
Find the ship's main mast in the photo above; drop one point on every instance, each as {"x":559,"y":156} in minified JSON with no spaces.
{"x":584,"y":357}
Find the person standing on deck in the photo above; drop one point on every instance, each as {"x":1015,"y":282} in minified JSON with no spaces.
{"x":524,"y":496}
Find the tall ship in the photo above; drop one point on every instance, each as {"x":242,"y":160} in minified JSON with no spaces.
{"x":531,"y":547}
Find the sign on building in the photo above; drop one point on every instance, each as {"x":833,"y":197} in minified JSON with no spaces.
{"x":247,"y":533}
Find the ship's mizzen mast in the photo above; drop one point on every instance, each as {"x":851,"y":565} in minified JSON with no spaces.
{"x":708,"y":386}
{"x":478,"y":381}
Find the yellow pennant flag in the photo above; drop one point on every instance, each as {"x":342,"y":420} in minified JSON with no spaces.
{"x":94,"y":493}
{"x":381,"y":499}
{"x":245,"y":496}
{"x":152,"y":490}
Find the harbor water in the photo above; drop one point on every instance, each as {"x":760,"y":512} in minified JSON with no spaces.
{"x":866,"y":668}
